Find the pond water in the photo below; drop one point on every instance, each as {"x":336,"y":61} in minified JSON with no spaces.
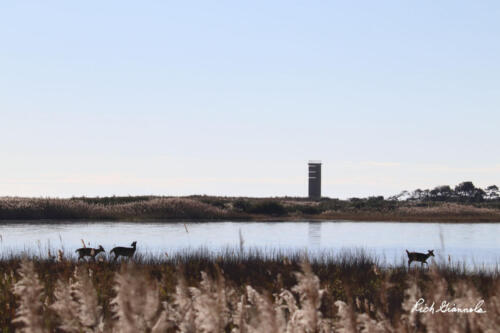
{"x":477,"y":244}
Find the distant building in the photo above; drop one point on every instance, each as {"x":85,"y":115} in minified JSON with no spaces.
{"x":314,"y":179}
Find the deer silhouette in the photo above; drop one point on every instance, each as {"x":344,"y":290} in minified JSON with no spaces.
{"x":89,"y":252}
{"x":124,"y":251}
{"x":417,"y":256}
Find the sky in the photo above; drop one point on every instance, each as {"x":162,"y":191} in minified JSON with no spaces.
{"x":234,"y":97}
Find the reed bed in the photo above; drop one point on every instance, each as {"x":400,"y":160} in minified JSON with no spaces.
{"x":205,"y":208}
{"x":148,"y":208}
{"x":234,"y":292}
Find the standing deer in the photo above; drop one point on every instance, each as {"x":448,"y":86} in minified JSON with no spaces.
{"x":89,"y":252}
{"x":422,"y":257}
{"x":124,"y":251}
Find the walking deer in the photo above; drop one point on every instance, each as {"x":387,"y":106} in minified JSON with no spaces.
{"x":89,"y":252}
{"x":417,"y":256}
{"x":124,"y":251}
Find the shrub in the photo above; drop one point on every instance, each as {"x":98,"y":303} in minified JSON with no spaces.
{"x":267,"y":207}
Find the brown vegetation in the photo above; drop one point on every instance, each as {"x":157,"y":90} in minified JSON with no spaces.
{"x":234,"y":293}
{"x":204,"y":208}
{"x":152,"y":208}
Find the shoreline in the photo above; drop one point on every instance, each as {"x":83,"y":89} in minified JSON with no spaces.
{"x":198,"y":209}
{"x":302,"y":219}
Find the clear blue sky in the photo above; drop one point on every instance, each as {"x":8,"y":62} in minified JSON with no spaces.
{"x":233,"y":97}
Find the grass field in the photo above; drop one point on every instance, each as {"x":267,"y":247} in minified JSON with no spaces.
{"x":231,"y":292}
{"x":206,"y":208}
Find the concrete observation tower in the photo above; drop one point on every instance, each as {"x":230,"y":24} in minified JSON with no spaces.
{"x":314,"y":179}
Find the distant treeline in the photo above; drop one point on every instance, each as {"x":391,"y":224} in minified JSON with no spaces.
{"x":464,"y":203}
{"x":464,"y":192}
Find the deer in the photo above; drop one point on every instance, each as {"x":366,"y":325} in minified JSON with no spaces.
{"x":89,"y":252}
{"x":417,"y":256}
{"x":124,"y":251}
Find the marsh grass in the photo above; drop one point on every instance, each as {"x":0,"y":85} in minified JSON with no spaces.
{"x":204,"y":208}
{"x":234,"y":291}
{"x":149,"y":208}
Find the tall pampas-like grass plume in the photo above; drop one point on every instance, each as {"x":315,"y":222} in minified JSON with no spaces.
{"x":29,"y":290}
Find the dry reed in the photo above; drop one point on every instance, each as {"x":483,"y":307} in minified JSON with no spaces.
{"x":144,"y":300}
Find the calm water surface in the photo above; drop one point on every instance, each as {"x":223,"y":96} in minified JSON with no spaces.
{"x":476,"y":244}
